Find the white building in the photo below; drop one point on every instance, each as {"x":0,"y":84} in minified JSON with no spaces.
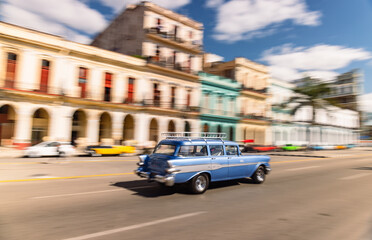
{"x":55,"y":89}
{"x":333,"y":125}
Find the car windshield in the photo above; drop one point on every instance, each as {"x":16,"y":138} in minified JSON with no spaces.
{"x":165,"y":149}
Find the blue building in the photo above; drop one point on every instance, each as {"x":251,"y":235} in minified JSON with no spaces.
{"x":219,"y":104}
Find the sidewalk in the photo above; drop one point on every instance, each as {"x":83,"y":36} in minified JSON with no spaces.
{"x":324,"y":153}
{"x":8,"y":152}
{"x":12,"y":153}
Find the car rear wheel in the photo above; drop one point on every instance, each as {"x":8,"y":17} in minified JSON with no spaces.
{"x":199,"y":184}
{"x":259,"y":175}
{"x":33,"y":155}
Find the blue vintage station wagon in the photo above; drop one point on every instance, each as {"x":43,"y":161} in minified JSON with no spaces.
{"x":198,"y":159}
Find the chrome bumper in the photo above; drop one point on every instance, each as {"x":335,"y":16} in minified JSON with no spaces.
{"x":267,"y":170}
{"x":168,"y":179}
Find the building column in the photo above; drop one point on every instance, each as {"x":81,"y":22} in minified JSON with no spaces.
{"x":61,"y":123}
{"x":23,"y":126}
{"x":141,"y":128}
{"x":162,"y":126}
{"x":117,"y":126}
{"x":93,"y":126}
{"x":268,"y":136}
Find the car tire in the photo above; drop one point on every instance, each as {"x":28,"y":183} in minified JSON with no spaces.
{"x":199,"y":184}
{"x":259,"y":175}
{"x":95,"y":155}
{"x":33,"y":155}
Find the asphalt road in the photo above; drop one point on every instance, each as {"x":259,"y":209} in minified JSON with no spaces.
{"x":100,"y":198}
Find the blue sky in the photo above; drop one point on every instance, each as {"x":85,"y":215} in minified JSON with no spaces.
{"x":294,"y":38}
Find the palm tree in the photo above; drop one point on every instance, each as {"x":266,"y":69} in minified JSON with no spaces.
{"x":310,"y":93}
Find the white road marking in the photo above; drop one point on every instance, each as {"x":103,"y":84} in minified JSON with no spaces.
{"x":141,"y":225}
{"x":359,"y":175}
{"x":74,"y":194}
{"x":46,"y":176}
{"x":303,"y":168}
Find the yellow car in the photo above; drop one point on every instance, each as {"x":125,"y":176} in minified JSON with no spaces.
{"x":340,"y":147}
{"x":96,"y":151}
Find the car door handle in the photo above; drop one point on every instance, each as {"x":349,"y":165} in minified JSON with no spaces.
{"x":229,"y":158}
{"x":213,"y":158}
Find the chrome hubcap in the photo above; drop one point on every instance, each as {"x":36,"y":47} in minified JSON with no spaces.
{"x":260,"y":175}
{"x":201,"y":183}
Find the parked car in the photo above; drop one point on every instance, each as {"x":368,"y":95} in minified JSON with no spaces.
{"x":98,"y":150}
{"x":50,"y":148}
{"x":258,"y":148}
{"x":290,"y":147}
{"x":197,"y":161}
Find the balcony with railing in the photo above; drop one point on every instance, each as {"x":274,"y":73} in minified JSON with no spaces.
{"x":170,"y":64}
{"x":255,"y":117}
{"x":218,"y":112}
{"x":158,"y":34}
{"x":169,"y":105}
{"x":262,"y":91}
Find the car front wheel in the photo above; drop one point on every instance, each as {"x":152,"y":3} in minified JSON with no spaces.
{"x":259,"y":175}
{"x":94,"y":154}
{"x":199,"y":184}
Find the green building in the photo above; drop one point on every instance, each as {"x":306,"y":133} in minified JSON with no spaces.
{"x":219,"y":104}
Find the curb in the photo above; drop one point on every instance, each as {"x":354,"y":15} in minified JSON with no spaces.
{"x":297,"y":155}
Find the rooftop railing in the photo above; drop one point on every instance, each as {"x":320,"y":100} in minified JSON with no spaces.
{"x":193,"y":135}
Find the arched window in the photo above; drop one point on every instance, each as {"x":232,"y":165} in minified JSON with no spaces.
{"x":7,"y":123}
{"x":79,"y":126}
{"x":153,"y":130}
{"x":171,"y":126}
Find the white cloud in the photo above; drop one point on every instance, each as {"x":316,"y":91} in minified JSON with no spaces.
{"x":214,"y":3}
{"x":71,"y":19}
{"x":211,"y":57}
{"x":72,"y":13}
{"x":365,"y":101}
{"x":245,"y":19}
{"x":288,"y":62}
{"x":18,"y":16}
{"x":118,"y":5}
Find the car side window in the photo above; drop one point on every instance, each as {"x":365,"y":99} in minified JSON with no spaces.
{"x":231,"y":150}
{"x":192,"y":151}
{"x":53,"y":144}
{"x":216,"y":150}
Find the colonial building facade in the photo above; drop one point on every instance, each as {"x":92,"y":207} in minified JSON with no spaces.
{"x":54,"y":89}
{"x":167,"y":40}
{"x":253,"y":105}
{"x":219,"y":105}
{"x":333,"y":125}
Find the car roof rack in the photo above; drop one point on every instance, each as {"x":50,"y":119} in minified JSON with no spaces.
{"x":194,"y":135}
